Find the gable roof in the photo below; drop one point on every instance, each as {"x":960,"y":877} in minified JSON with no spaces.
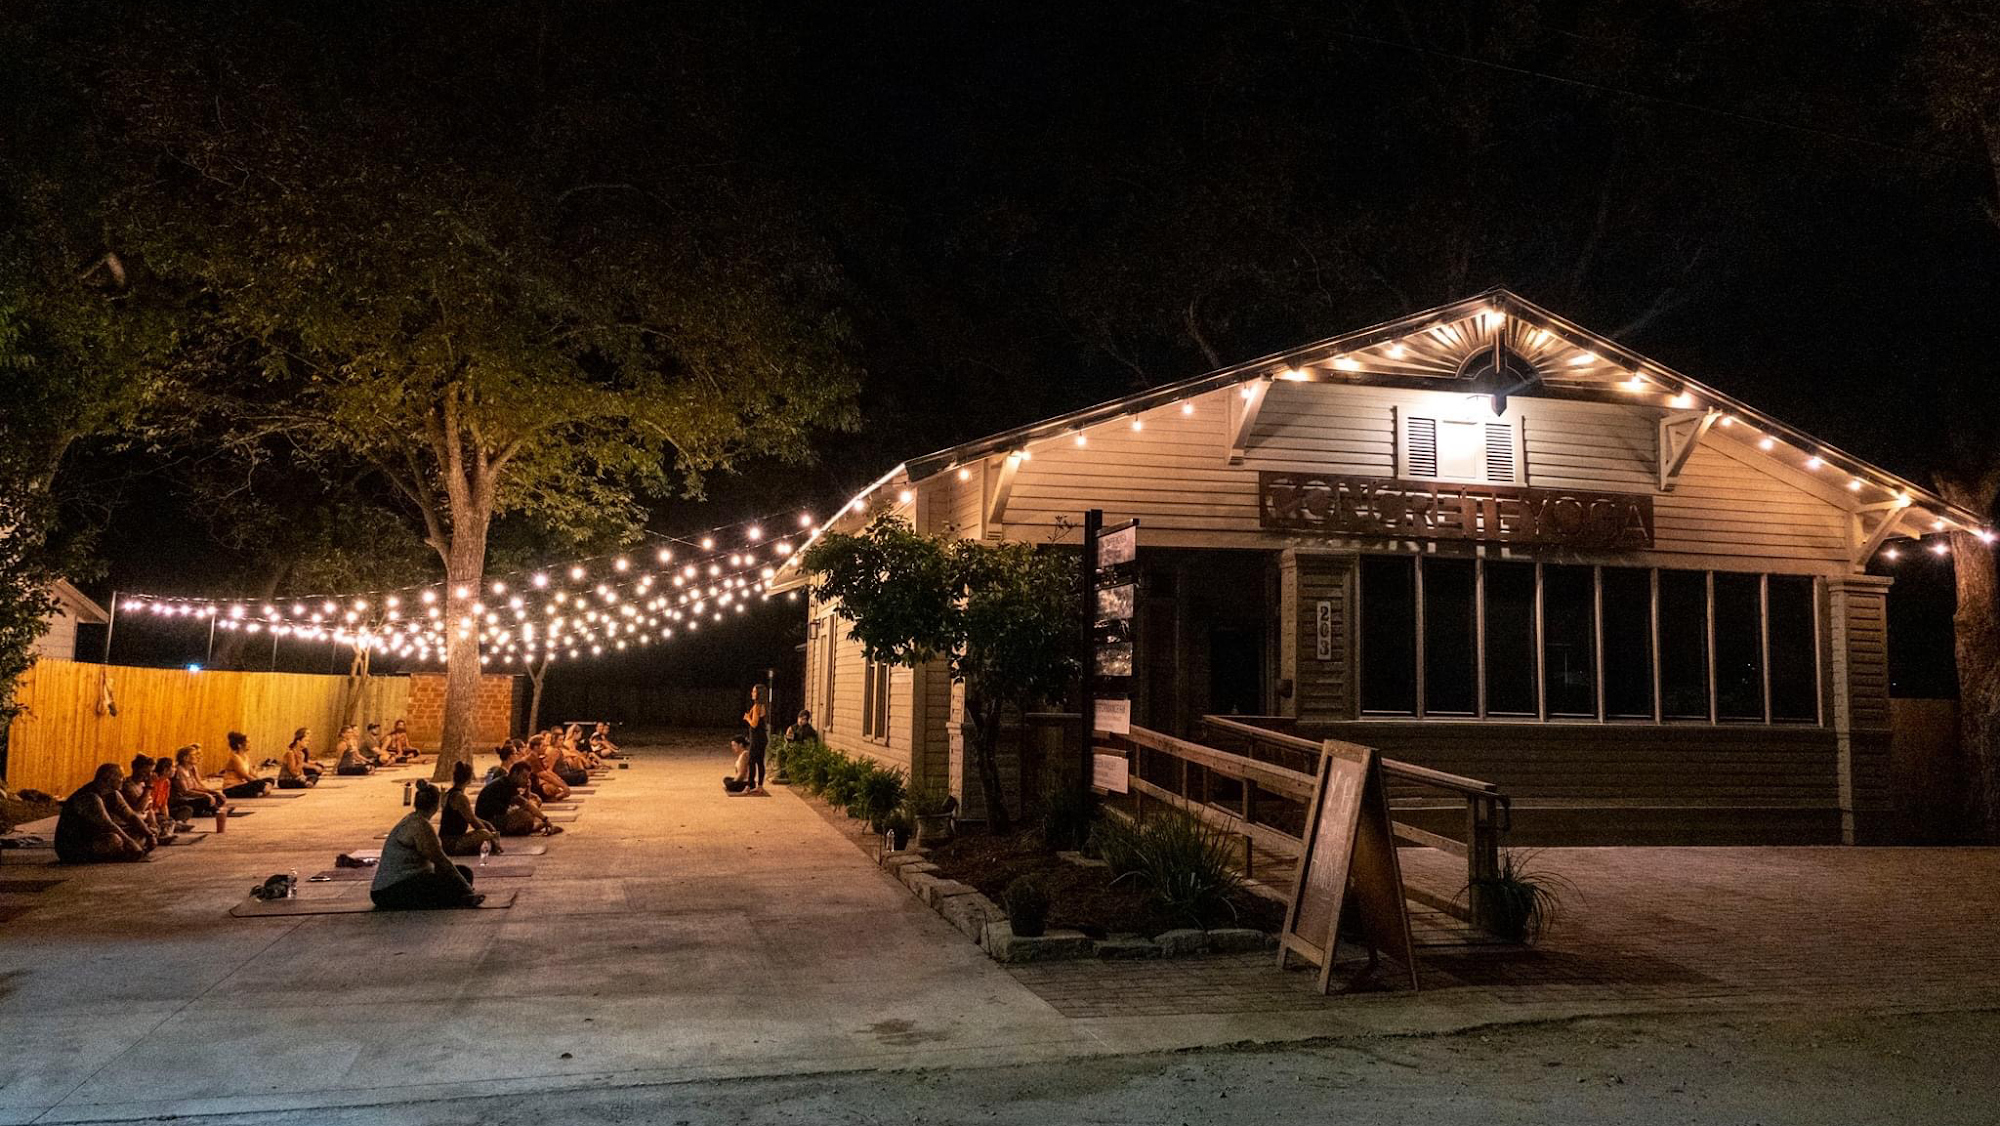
{"x":79,"y":605}
{"x":1442,"y":349}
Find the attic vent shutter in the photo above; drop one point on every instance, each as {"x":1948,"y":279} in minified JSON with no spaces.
{"x":1422,"y":459}
{"x":1500,"y":453}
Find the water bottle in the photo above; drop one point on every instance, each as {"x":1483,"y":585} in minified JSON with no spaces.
{"x":485,"y":850}
{"x":292,"y":885}
{"x":409,"y":790}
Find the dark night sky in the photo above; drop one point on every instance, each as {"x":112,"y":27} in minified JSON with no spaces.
{"x":1024,"y":199}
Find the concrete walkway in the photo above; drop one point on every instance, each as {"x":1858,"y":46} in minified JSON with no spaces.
{"x":677,"y":934}
{"x":673,"y":932}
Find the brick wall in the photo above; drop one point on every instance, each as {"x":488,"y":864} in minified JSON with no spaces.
{"x":493,"y":715}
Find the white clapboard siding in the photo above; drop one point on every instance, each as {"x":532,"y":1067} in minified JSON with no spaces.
{"x":1731,"y":504}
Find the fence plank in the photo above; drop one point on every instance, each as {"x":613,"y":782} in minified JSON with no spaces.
{"x":61,"y":737}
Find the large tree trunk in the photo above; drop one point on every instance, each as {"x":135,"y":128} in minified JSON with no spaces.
{"x":1976,"y":639}
{"x":357,"y":683}
{"x":537,"y":674}
{"x":464,"y":570}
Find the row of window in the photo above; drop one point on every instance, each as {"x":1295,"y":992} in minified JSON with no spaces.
{"x":1467,"y":637}
{"x":874,"y":689}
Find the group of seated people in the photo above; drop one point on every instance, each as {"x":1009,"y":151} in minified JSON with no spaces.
{"x":358,"y":751}
{"x":121,"y":816}
{"x":417,"y":870}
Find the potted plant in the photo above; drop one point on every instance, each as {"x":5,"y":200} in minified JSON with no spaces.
{"x":1027,"y":904}
{"x":879,"y":795}
{"x":932,"y":809}
{"x":896,"y":830}
{"x":1518,"y":903}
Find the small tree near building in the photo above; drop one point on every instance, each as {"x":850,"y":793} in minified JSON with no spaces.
{"x":1003,"y":615}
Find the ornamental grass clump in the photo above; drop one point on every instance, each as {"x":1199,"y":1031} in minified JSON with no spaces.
{"x":1520,"y":902}
{"x":1186,"y":864}
{"x":880,"y":792}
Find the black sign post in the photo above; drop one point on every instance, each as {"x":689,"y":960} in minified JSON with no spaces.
{"x":1110,"y":593}
{"x":1093,"y":523}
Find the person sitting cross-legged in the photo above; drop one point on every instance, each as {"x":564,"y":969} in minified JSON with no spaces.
{"x":371,"y":745}
{"x":239,"y":778}
{"x":137,"y":790}
{"x":548,"y":785}
{"x":508,"y":804}
{"x":461,"y":827}
{"x":738,"y":781}
{"x":398,"y":748}
{"x":802,"y":730}
{"x":189,"y":790}
{"x":601,"y":744}
{"x":294,"y":771}
{"x":414,"y":873}
{"x":96,"y":825}
{"x":349,"y":749}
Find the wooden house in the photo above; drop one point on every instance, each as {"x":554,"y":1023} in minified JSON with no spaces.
{"x":1480,"y":538}
{"x":73,"y":608}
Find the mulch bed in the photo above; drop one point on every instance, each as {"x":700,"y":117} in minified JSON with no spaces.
{"x":1080,"y":898}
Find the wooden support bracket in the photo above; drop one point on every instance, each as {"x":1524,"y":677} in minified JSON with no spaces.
{"x":1680,"y":433}
{"x":1872,"y":540}
{"x":1003,"y":487}
{"x":1246,"y":411}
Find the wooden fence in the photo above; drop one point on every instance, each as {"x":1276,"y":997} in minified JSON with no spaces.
{"x":62,"y":736}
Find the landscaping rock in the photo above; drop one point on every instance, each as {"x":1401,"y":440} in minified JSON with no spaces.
{"x":935,"y":891}
{"x":896,"y":861}
{"x":1180,"y":943}
{"x":919,"y":883}
{"x":909,"y":872}
{"x":1003,"y":945}
{"x":1238,"y":940}
{"x":1123,"y":946}
{"x":1080,"y":860}
{"x":970,"y":914}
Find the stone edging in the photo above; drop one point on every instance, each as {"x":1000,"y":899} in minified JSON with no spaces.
{"x":985,"y":923}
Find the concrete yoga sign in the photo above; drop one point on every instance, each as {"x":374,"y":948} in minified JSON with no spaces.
{"x":1438,"y":510}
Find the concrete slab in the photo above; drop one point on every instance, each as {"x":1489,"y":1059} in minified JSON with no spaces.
{"x":673,"y":933}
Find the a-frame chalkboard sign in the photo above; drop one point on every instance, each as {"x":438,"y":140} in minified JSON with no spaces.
{"x":1349,"y":871}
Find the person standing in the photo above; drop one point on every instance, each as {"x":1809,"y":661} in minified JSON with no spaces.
{"x":758,"y":721}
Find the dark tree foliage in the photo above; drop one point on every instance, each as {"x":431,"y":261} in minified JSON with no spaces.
{"x":1003,"y":617}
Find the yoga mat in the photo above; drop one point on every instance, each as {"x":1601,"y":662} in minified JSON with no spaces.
{"x":275,"y":794}
{"x":745,"y":794}
{"x":495,"y":869}
{"x":564,"y":819}
{"x":235,"y":813}
{"x":26,"y":887}
{"x":9,"y":914}
{"x":345,"y":903}
{"x":185,"y":839}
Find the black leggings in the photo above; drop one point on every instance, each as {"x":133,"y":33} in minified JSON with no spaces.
{"x":350,"y":771}
{"x":251,"y":789}
{"x":296,"y":783}
{"x":431,"y":891}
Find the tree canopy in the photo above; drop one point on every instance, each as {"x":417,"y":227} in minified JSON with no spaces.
{"x":1003,"y":617}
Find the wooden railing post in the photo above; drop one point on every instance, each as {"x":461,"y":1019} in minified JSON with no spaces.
{"x":1482,"y":858}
